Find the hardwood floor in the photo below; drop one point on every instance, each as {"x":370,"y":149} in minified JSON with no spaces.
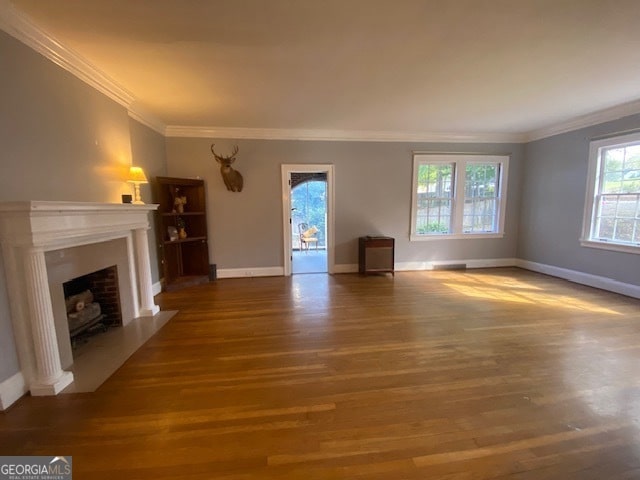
{"x":500,"y":374}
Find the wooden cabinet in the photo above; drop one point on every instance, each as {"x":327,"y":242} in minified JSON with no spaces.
{"x":182,"y":229}
{"x":376,"y":255}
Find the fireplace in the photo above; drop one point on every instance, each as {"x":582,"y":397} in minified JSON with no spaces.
{"x":92,"y":303}
{"x":46,"y":244}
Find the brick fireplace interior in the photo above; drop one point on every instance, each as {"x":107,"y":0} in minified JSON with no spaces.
{"x":92,"y":303}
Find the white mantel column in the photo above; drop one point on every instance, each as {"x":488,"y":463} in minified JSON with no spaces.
{"x":50,"y":378}
{"x":147,"y":306}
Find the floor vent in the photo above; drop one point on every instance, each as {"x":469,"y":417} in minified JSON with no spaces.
{"x":450,"y":266}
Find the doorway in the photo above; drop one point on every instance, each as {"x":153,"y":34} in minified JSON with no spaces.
{"x":308,"y":222}
{"x":308,"y":219}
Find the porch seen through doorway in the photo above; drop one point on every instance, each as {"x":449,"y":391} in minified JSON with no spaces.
{"x":309,"y":222}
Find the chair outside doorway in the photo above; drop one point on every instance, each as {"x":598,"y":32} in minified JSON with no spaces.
{"x":307,"y":236}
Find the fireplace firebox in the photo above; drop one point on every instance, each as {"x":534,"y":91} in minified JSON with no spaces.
{"x":92,"y":303}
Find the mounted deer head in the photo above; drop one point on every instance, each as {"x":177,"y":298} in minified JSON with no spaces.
{"x":232,"y":178}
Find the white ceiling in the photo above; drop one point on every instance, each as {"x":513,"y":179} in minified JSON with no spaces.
{"x":407,"y":66}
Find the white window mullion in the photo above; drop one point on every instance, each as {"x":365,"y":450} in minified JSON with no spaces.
{"x":457,"y":209}
{"x":636,"y":220}
{"x":498,"y":198}
{"x":597,"y":216}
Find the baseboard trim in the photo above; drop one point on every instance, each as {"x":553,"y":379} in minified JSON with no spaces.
{"x":346,"y":268}
{"x":582,"y":278}
{"x":11,"y":390}
{"x":596,"y":281}
{"x":250,"y":272}
{"x":432,"y":265}
{"x":156,"y":288}
{"x":475,"y":263}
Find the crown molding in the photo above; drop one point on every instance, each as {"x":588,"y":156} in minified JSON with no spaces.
{"x":583,"y":121}
{"x":22,"y":28}
{"x":588,"y":120}
{"x":147,"y":118}
{"x":339,"y":135}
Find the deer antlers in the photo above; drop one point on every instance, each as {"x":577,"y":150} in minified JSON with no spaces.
{"x":225,"y":160}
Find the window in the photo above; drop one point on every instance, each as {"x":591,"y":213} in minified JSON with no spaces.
{"x":434,"y":198}
{"x":612,"y":207}
{"x":458,"y":196}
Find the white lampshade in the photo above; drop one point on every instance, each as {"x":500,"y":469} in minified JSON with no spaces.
{"x":137,"y":176}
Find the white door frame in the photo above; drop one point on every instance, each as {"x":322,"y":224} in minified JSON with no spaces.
{"x":287,"y":170}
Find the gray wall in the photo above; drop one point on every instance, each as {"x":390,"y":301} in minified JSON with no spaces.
{"x":148,"y":151}
{"x":61,"y":140}
{"x":553,"y":197}
{"x":372,"y":196}
{"x":60,"y":137}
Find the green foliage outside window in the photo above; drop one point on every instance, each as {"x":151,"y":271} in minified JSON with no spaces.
{"x":432,"y":227}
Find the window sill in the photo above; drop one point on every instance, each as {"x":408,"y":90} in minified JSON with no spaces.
{"x":616,"y":247}
{"x":454,"y":236}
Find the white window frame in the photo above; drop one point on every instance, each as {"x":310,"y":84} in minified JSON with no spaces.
{"x":460,"y":162}
{"x":593,"y":185}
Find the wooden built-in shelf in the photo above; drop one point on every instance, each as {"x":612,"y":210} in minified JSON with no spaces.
{"x":185,"y":261}
{"x":176,"y":214}
{"x":185,"y":240}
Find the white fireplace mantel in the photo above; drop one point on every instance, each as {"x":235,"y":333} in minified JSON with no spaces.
{"x":27,"y":231}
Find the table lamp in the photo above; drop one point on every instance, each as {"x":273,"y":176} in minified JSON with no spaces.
{"x":137,"y":176}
